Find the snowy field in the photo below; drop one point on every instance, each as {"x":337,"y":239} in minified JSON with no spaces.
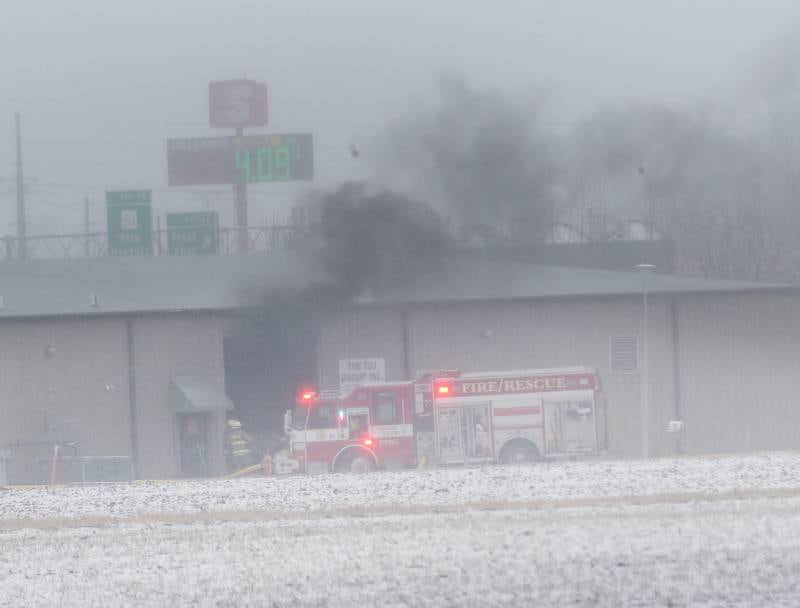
{"x":667,"y":532}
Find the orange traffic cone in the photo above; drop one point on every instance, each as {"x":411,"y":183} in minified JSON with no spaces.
{"x":266,"y":466}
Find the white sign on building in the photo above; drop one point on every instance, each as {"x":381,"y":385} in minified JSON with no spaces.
{"x":355,"y":372}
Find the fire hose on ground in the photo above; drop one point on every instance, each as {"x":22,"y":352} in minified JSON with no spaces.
{"x":265,"y":467}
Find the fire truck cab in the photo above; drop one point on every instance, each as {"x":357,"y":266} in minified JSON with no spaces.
{"x":371,"y":427}
{"x":448,"y":418}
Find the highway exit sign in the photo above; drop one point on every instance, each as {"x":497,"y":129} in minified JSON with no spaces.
{"x":129,"y":216}
{"x":192,"y":233}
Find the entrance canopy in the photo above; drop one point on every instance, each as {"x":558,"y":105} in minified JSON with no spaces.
{"x":196,"y":395}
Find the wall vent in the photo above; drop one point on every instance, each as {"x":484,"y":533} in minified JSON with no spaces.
{"x":624,"y":354}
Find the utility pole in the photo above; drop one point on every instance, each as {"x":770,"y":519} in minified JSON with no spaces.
{"x":22,"y":232}
{"x":86,"y":226}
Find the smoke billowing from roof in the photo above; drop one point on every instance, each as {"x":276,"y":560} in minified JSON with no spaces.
{"x":727,"y":195}
{"x":370,"y":241}
{"x":378,"y":241}
{"x":477,"y":154}
{"x":483,"y":158}
{"x":719,"y":177}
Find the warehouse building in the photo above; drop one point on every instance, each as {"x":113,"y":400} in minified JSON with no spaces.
{"x":722,"y":356}
{"x":110,"y":359}
{"x":114,"y":360}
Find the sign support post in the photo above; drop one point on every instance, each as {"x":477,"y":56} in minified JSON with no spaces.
{"x":240,"y":205}
{"x":238,"y":103}
{"x":239,"y":160}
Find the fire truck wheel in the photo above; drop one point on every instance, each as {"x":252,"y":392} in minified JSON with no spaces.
{"x":519,"y":452}
{"x":355,"y":462}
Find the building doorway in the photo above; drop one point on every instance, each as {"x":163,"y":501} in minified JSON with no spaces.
{"x":193,"y":441}
{"x":269,"y":356}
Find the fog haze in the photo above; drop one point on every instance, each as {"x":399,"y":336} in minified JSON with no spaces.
{"x":102,"y":85}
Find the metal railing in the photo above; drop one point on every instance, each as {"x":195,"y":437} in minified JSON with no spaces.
{"x":259,"y":239}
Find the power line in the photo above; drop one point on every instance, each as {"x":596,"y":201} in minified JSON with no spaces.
{"x":192,"y":192}
{"x":155,"y":143}
{"x":204,"y":125}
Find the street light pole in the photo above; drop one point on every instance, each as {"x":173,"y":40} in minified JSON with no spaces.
{"x":22,"y":230}
{"x":644,"y":385}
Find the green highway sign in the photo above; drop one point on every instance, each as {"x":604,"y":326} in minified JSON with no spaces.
{"x":240,"y":159}
{"x":130,"y":222}
{"x":192,"y":233}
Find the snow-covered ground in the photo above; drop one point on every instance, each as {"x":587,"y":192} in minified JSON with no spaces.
{"x":443,"y":487}
{"x":548,"y":535}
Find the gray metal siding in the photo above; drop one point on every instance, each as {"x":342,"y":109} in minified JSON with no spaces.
{"x":739,"y":358}
{"x":554,"y":333}
{"x":513,"y":335}
{"x":84,"y":382}
{"x":165,"y":346}
{"x":368,"y":332}
{"x":741,"y":371}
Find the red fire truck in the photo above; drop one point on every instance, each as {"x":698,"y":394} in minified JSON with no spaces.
{"x":448,"y":417}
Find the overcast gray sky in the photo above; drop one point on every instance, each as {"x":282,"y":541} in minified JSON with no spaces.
{"x":101,"y":84}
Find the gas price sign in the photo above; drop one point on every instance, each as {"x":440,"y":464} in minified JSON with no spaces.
{"x":246,"y":159}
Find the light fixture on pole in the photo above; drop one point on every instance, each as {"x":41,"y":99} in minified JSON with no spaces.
{"x":644,"y":381}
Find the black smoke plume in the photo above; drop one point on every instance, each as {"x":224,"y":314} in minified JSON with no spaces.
{"x":364,"y":243}
{"x":377,"y":242}
{"x":479,"y":155}
{"x":717,"y":177}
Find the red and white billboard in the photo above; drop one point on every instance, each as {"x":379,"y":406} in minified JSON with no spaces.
{"x":237,"y":103}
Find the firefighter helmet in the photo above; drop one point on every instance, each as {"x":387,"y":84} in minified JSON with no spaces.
{"x":234,"y":424}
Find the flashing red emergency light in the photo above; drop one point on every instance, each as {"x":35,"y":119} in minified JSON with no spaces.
{"x":369,"y":442}
{"x":443,"y":389}
{"x":306,"y":396}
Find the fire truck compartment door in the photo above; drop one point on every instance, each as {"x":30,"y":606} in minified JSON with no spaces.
{"x":570,"y":425}
{"x":357,"y":421}
{"x":463,"y":433}
{"x":449,"y":443}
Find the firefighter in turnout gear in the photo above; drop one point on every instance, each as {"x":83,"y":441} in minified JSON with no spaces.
{"x":238,"y":447}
